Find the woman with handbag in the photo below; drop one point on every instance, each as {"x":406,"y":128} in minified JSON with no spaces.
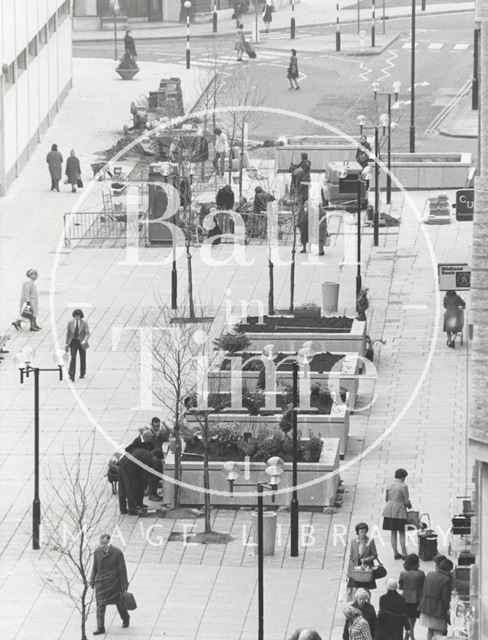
{"x":395,"y":512}
{"x":267,"y":13}
{"x":28,"y":302}
{"x":73,"y":171}
{"x":411,"y":582}
{"x":362,"y":555}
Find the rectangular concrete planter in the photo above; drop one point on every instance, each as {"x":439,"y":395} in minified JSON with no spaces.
{"x":333,"y":425}
{"x":319,"y":495}
{"x":220,"y":381}
{"x":353,"y":341}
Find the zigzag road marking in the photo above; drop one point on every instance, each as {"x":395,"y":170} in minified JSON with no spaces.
{"x":367,"y":71}
{"x":384,"y":71}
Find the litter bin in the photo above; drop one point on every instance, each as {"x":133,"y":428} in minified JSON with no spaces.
{"x":330,"y":297}
{"x":269,"y":531}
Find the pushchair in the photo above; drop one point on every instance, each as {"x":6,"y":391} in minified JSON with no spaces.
{"x":427,"y":537}
{"x":113,"y":472}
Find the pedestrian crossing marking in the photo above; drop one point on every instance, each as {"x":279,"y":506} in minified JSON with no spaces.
{"x":461,"y":46}
{"x":408,"y":45}
{"x":436,"y":45}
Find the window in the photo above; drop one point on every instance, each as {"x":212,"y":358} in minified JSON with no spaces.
{"x":52,"y":24}
{"x":22,"y":62}
{"x":43,"y":36}
{"x":67,"y":7}
{"x":10,"y":74}
{"x":33,"y":47}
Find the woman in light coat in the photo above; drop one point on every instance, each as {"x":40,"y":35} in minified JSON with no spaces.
{"x":54,"y":161}
{"x":362,"y":553}
{"x":239,"y":42}
{"x":73,"y":170}
{"x":436,"y":600}
{"x":29,"y":295}
{"x":395,"y":512}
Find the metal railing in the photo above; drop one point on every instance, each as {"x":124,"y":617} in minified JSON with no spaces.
{"x":95,"y":226}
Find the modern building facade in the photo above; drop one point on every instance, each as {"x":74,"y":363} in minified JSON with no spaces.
{"x":36,"y":75}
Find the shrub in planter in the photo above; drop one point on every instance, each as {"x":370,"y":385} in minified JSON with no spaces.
{"x":127,"y":67}
{"x":309,"y":310}
{"x":232,"y":342}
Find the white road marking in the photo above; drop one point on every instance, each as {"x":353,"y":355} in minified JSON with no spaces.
{"x":408,"y":45}
{"x":436,"y":45}
{"x":415,"y":307}
{"x":461,"y":46}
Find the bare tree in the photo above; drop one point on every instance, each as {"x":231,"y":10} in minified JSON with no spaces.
{"x":242,"y":92}
{"x":176,"y":349}
{"x":71,"y":527}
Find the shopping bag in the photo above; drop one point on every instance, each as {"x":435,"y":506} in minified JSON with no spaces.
{"x":127,"y":601}
{"x":79,"y":183}
{"x":249,"y":49}
{"x":379,"y":571}
{"x":413,"y":519}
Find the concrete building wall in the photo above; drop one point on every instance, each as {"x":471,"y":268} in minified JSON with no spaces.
{"x":36,"y":75}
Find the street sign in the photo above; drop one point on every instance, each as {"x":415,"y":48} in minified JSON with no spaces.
{"x":454,"y":276}
{"x":464,"y":205}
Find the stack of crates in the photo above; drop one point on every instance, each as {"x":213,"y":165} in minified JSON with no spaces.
{"x":168,"y":99}
{"x":439,"y":210}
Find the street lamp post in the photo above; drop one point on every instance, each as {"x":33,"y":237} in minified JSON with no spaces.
{"x":25,"y":357}
{"x":214,"y":18}
{"x":338,"y":28}
{"x":187,"y":6}
{"x":359,"y":184}
{"x":362,"y":123}
{"x":294,"y":523}
{"x":373,"y":21}
{"x":475,"y":85}
{"x":274,"y":471}
{"x":116,"y":10}
{"x":292,"y":20}
{"x":385,"y":120}
{"x":412,"y":83}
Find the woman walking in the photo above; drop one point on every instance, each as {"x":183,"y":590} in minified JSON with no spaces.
{"x":73,"y":170}
{"x":362,"y":554}
{"x":292,"y":73}
{"x":436,"y":599}
{"x":395,"y":512}
{"x":411,"y":582}
{"x":267,"y":13}
{"x":54,"y":161}
{"x":240,"y":42}
{"x":454,"y":307}
{"x":362,"y":604}
{"x":357,"y":627}
{"x":28,"y":302}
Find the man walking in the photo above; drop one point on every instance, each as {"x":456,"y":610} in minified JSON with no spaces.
{"x":221,"y":149}
{"x":109,"y":579}
{"x":77,"y":334}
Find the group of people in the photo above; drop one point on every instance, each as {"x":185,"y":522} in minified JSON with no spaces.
{"x":135,"y":477}
{"x":55,"y":160}
{"x":425,"y":598}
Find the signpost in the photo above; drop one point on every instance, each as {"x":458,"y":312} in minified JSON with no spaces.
{"x":455,"y":276}
{"x":464,"y":205}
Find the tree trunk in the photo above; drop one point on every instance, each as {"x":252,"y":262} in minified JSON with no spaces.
{"x":206,"y":479}
{"x":177,"y":454}
{"x":191,"y":306}
{"x":84,"y":614}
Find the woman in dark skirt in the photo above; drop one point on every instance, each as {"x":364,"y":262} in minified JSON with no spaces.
{"x":395,"y":512}
{"x":454,"y":307}
{"x":292,"y":73}
{"x":362,"y":553}
{"x":411,"y":583}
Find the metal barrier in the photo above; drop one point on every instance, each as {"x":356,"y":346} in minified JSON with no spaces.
{"x":94,"y":225}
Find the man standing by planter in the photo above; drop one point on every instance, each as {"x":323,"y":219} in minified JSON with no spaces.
{"x":109,"y":579}
{"x":130,"y":44}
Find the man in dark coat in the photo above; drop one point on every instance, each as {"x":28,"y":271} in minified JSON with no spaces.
{"x":392,"y":614}
{"x":225,"y":198}
{"x":142,"y":441}
{"x":261,"y":199}
{"x":109,"y":579}
{"x":133,"y":480}
{"x":54,"y":161}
